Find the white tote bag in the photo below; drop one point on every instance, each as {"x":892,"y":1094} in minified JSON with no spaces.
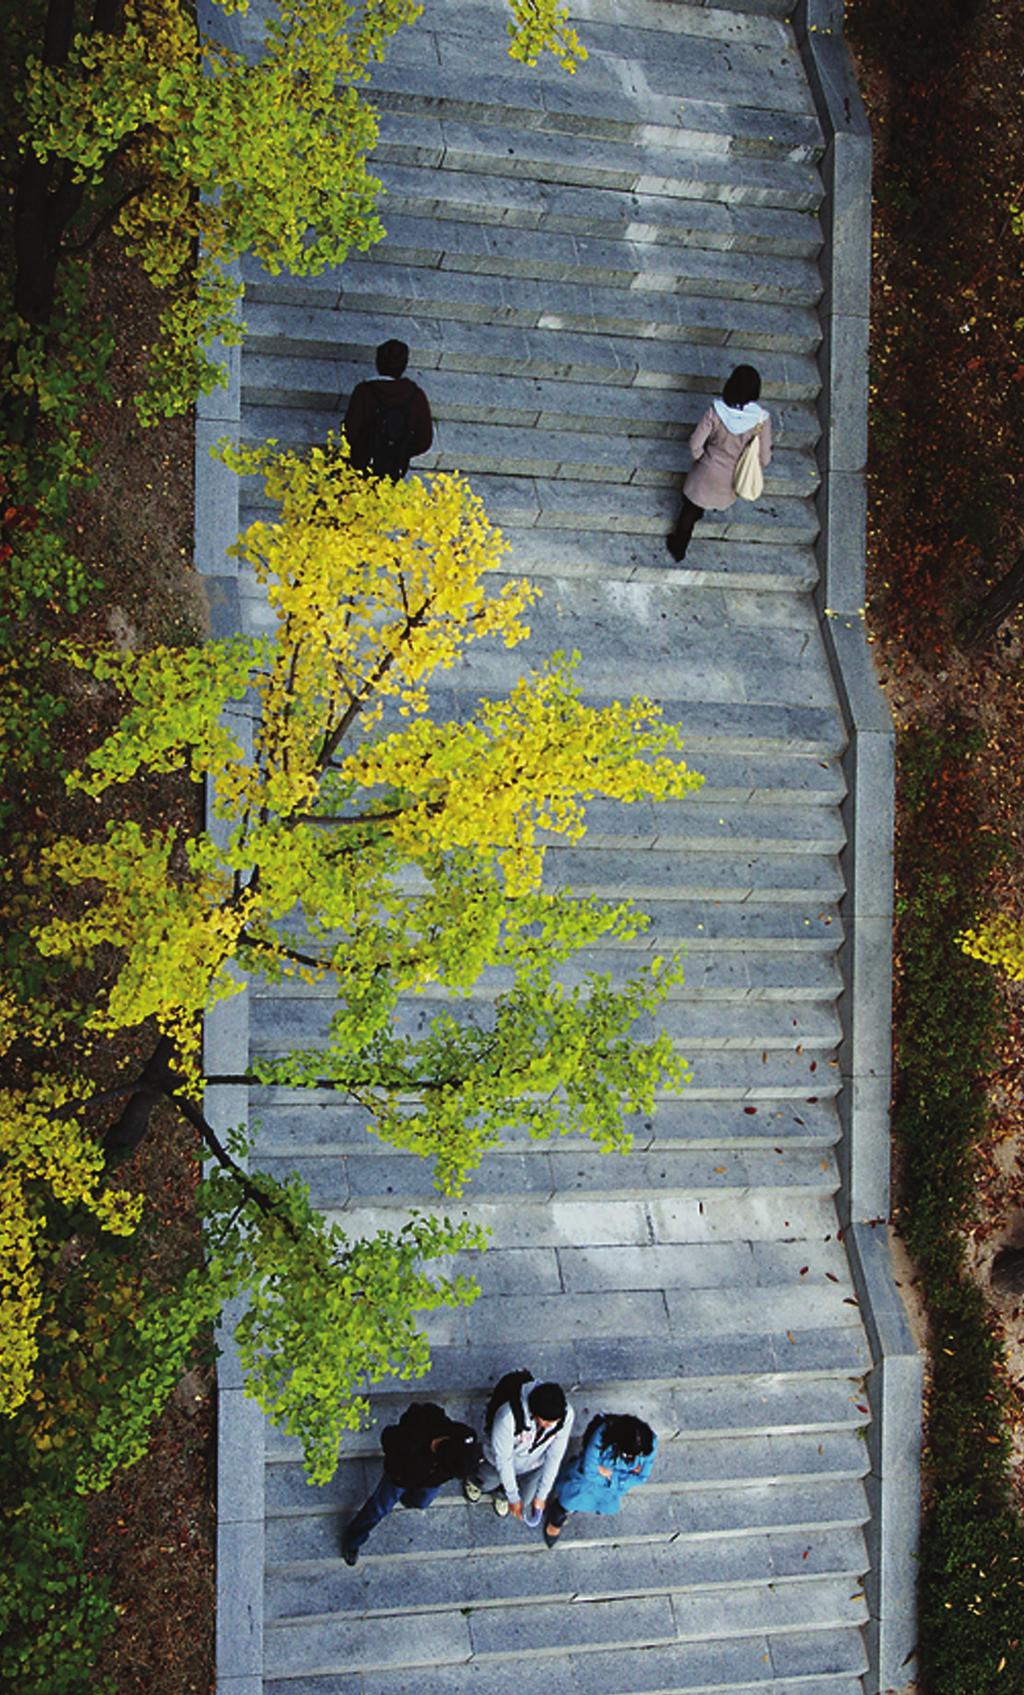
{"x":748,"y":480}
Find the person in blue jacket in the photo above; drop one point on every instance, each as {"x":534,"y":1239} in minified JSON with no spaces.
{"x":617,"y":1454}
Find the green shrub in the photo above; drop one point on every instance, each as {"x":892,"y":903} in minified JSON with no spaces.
{"x":971,"y":1628}
{"x":54,"y":1616}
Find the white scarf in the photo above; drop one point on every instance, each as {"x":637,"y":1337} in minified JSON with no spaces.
{"x":737,"y":419}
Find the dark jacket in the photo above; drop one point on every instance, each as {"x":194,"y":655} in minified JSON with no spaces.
{"x":408,"y":1457}
{"x":367,"y":400}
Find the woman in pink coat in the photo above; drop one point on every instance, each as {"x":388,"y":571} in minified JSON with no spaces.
{"x":715,"y":446}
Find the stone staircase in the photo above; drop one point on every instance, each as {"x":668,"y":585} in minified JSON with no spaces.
{"x":577,"y":263}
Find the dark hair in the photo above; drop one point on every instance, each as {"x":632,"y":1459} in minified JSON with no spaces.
{"x":742,"y":387}
{"x":629,"y":1437}
{"x":547,"y":1400}
{"x":392,"y":358}
{"x":460,"y":1450}
{"x":508,"y":1392}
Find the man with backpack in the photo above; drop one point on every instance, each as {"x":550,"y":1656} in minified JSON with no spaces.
{"x":526,"y":1429}
{"x":388,"y":421}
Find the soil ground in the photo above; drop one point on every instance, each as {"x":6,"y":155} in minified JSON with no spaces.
{"x":153,"y":1531}
{"x":941,"y":82}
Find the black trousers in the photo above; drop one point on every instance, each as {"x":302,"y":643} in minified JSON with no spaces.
{"x":679,"y":539}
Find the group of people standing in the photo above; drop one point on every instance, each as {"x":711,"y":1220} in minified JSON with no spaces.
{"x":388,"y":423}
{"x":526,"y":1430}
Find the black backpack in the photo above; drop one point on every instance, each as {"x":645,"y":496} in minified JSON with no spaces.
{"x":389,"y":438}
{"x":508,"y":1391}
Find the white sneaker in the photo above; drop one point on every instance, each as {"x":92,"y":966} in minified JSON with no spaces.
{"x":501,"y":1505}
{"x":471,"y":1489}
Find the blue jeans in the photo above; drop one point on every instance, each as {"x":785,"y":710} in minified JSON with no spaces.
{"x":384,"y":1499}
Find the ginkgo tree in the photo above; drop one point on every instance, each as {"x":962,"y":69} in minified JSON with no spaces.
{"x":358,"y":843}
{"x":197,"y":152}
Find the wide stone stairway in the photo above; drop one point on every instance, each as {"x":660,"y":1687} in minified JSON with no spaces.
{"x":577,"y":264}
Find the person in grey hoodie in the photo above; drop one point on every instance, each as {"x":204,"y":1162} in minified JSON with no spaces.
{"x":526,"y":1429}
{"x":715,"y":446}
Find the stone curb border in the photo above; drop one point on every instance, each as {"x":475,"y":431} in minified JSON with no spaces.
{"x":895,"y":1384}
{"x":240,"y":1426}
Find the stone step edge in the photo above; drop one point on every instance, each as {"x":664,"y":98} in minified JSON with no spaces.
{"x":745,"y":1585}
{"x":844,"y":1473}
{"x":691,"y":142}
{"x":283,"y":1450}
{"x":809,"y":1374}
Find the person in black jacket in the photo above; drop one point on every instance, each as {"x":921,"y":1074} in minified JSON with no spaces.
{"x":422,"y":1452}
{"x":388,"y":421}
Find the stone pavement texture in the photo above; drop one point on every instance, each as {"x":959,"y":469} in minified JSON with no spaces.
{"x":577,"y":264}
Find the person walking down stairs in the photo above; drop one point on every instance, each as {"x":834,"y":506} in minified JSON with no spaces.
{"x":526,"y":1429}
{"x":617,"y":1454}
{"x":388,"y":421}
{"x":715,"y":447}
{"x":422,"y":1452}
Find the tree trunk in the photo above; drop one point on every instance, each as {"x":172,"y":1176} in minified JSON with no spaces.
{"x":157,"y":1080}
{"x":977,"y":627}
{"x":47,"y":200}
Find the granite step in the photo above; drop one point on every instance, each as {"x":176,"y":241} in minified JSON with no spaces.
{"x":678,"y":1499}
{"x":614,"y":874}
{"x":516,"y":1578}
{"x":558,"y":1173}
{"x":758,"y":1407}
{"x":306,"y":1534}
{"x":583,"y":260}
{"x":685,"y":163}
{"x":699,"y":1278}
{"x":291,"y":1123}
{"x":789,"y":1214}
{"x":282,"y":1020}
{"x":321,"y":386}
{"x":695,"y":825}
{"x":373,"y":285}
{"x":617,"y":104}
{"x":715,"y":929}
{"x":488,"y":198}
{"x":717,"y":562}
{"x":562,"y":503}
{"x":678,"y":47}
{"x":736,"y":978}
{"x":495,"y":349}
{"x":630,"y":87}
{"x":709,"y":929}
{"x":627,"y":1625}
{"x":518,"y":451}
{"x":736,"y":1667}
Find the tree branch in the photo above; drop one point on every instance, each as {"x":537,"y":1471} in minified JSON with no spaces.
{"x":103,"y":222}
{"x":357,"y":703}
{"x":251,"y":1190}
